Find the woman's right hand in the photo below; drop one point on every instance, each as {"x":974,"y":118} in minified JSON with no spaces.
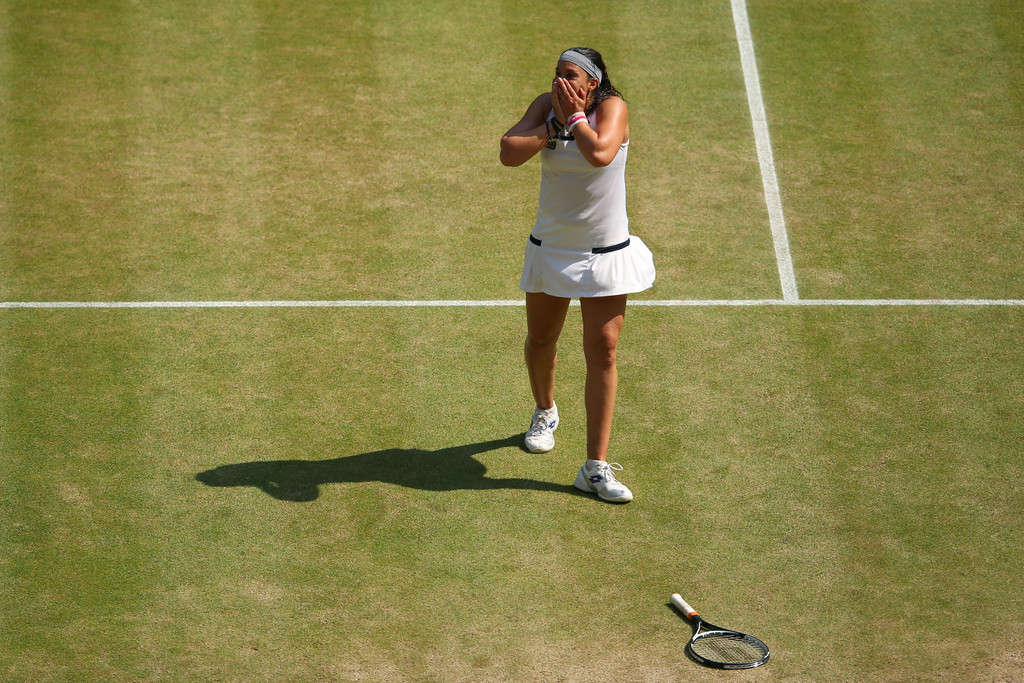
{"x":556,"y":105}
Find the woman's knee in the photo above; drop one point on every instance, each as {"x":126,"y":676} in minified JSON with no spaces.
{"x":600,"y":348}
{"x":541,"y":344}
{"x":545,"y":317}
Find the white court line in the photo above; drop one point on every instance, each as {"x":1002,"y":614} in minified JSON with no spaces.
{"x":677,"y":303}
{"x":764,"y":151}
{"x":808,"y":303}
{"x":258,"y":304}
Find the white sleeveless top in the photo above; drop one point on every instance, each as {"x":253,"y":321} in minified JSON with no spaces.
{"x":581,"y":206}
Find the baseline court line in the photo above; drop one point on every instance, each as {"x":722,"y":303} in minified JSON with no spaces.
{"x":764,"y":151}
{"x":677,"y":303}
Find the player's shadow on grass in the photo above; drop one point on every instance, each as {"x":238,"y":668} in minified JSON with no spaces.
{"x":448,"y":469}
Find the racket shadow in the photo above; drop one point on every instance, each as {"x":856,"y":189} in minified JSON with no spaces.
{"x":447,"y":469}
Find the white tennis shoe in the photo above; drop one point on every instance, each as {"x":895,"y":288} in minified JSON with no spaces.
{"x":600,"y":479}
{"x":541,"y":436}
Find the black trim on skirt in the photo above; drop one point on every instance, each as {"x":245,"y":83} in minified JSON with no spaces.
{"x":595,"y":250}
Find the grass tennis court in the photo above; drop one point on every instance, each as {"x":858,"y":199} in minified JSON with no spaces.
{"x":339,"y":493}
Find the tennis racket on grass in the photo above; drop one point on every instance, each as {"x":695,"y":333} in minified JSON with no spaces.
{"x":720,"y":648}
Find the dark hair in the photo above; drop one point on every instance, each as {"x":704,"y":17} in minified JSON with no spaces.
{"x":606,"y":89}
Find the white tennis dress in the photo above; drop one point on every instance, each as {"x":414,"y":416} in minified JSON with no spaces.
{"x":580,"y":245}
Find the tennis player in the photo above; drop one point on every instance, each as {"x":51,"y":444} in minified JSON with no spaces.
{"x":580,"y":247}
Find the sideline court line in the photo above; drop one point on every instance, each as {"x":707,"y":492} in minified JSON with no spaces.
{"x":764,"y":151}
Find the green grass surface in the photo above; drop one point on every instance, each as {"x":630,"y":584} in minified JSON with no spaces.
{"x":341,"y":494}
{"x":363,"y":505}
{"x":897,"y":130}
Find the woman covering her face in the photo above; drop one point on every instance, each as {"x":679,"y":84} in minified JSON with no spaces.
{"x":580,"y":247}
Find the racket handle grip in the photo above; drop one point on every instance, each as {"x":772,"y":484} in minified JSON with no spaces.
{"x":682,"y":605}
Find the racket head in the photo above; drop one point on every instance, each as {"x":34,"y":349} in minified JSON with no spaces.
{"x":721,"y":648}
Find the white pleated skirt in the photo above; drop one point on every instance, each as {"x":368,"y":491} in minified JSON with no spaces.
{"x":572,"y":274}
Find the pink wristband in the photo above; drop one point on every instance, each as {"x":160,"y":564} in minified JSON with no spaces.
{"x":574,"y":119}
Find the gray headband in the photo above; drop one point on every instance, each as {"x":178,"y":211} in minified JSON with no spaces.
{"x":581,"y":61}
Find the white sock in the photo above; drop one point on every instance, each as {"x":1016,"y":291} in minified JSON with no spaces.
{"x":591,"y":464}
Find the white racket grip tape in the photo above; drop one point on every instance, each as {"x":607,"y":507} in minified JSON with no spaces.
{"x":682,"y":605}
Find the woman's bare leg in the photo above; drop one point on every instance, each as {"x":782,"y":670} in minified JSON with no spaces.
{"x":545,"y":316}
{"x":602,"y":322}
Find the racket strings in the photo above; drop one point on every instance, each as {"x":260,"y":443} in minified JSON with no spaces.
{"x":728,"y":647}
